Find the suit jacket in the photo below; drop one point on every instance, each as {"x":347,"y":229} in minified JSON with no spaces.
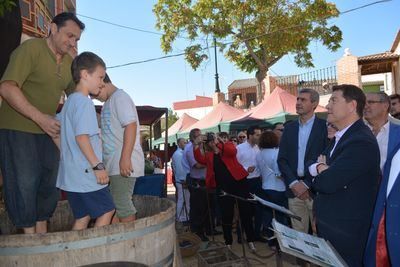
{"x":392,"y":204}
{"x":288,"y":152}
{"x":346,"y":191}
{"x":228,"y":156}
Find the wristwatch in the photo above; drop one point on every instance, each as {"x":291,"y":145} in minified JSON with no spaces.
{"x":100,"y":166}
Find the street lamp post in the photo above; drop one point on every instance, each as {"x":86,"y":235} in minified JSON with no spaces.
{"x":217,"y":90}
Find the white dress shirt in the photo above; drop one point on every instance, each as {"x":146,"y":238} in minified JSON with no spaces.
{"x":313,"y":168}
{"x":383,"y":140}
{"x":246,"y":155}
{"x":179,"y":171}
{"x":394,"y":172}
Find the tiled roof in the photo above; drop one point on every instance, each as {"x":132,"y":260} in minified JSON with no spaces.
{"x":244,"y":83}
{"x":199,"y":102}
{"x":380,"y":56}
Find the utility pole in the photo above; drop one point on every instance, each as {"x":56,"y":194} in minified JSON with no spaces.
{"x":217,"y":90}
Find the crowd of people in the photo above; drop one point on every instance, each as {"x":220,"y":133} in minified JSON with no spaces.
{"x":339,"y":175}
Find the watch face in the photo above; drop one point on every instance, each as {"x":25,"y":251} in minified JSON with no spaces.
{"x":99,"y":167}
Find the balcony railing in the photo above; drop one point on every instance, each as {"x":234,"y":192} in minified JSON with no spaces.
{"x":320,"y":80}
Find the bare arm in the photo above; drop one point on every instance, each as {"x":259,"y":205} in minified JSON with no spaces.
{"x":125,"y":163}
{"x":87,"y":150}
{"x":16,"y":99}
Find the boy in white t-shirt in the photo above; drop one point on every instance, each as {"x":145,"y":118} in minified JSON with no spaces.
{"x":122,"y":153}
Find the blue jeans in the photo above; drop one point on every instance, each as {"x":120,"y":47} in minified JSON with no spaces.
{"x":29,"y":165}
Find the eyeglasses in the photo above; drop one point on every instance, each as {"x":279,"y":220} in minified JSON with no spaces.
{"x":234,"y":140}
{"x":241,"y":137}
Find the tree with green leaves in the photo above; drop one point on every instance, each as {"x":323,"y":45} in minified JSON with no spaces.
{"x":6,"y":5}
{"x":253,"y":34}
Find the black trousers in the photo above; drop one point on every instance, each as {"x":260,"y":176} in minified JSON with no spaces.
{"x":227,"y":205}
{"x":255,"y":187}
{"x":199,"y":213}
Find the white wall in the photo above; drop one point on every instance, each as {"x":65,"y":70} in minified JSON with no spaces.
{"x":197,"y":113}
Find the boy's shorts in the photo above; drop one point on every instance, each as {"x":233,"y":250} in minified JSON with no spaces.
{"x":94,"y":204}
{"x":121,"y":189}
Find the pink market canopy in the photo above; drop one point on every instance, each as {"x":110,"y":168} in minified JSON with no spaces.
{"x":278,"y":102}
{"x":184,"y":122}
{"x":220,"y":113}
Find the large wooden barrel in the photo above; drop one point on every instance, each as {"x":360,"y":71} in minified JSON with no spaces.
{"x":149,"y":240}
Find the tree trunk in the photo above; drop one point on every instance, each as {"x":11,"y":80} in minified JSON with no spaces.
{"x":260,"y":75}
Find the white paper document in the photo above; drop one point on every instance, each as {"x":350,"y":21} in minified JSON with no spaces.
{"x":307,"y":247}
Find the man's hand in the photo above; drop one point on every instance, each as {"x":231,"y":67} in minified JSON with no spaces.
{"x":321,"y":159}
{"x":251,"y":169}
{"x":102,"y":177}
{"x":305,"y":195}
{"x":299,"y":189}
{"x":49,"y":125}
{"x":125,"y":167}
{"x":321,"y":168}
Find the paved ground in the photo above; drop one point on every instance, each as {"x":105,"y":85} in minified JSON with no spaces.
{"x":258,"y":259}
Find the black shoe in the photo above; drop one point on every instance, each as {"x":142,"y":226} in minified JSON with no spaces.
{"x":239,"y":241}
{"x":261,"y":239}
{"x":214,"y":232}
{"x":203,"y":237}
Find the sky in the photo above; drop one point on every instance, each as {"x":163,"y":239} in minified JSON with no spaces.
{"x":160,"y":83}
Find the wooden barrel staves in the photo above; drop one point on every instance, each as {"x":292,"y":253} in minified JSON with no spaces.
{"x":149,"y":240}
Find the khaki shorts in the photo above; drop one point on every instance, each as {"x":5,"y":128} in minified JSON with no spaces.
{"x":121,"y":189}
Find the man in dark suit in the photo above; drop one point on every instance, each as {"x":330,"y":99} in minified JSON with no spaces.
{"x":302,"y":140}
{"x":346,"y":181}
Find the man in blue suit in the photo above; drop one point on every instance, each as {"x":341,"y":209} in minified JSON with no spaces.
{"x":346,"y":181}
{"x":384,"y":235}
{"x":376,"y":115}
{"x":302,"y":141}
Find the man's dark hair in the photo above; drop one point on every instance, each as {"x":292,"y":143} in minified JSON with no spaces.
{"x":107,"y":79}
{"x":192,"y":133}
{"x":268,"y":139}
{"x":252,"y":129}
{"x":351,"y":92}
{"x":62,"y":18}
{"x":394,"y":96}
{"x":223,"y":135}
{"x":85,"y":61}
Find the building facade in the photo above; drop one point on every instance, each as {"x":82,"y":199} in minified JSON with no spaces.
{"x":197,"y":108}
{"x":37,"y":15}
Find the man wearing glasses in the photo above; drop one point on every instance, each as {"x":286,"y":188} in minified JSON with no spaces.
{"x":242,"y":137}
{"x":376,"y":115}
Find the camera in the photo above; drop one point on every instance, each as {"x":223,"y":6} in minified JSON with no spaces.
{"x":208,"y":137}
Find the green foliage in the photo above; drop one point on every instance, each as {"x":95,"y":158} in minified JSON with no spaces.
{"x":260,"y":32}
{"x":6,"y":5}
{"x":172,"y":118}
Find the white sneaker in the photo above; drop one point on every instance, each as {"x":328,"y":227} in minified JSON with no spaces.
{"x":229,"y":247}
{"x":252,"y":246}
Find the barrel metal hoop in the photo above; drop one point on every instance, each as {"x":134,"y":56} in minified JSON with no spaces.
{"x":82,"y":244}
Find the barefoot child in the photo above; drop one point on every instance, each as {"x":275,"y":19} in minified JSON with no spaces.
{"x":81,"y":172}
{"x":123,"y":155}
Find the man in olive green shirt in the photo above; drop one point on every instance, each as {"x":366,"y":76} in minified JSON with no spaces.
{"x":38,"y":72}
